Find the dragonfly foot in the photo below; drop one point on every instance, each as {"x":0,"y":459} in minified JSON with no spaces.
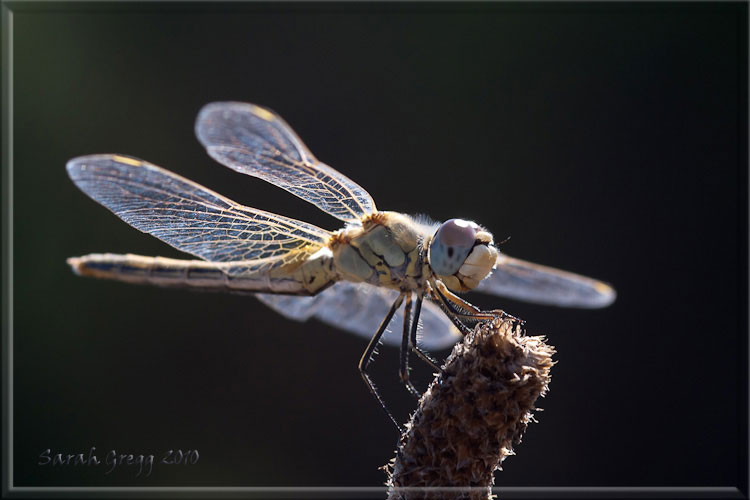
{"x":499,"y":313}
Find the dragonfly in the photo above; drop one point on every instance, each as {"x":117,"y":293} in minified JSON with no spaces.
{"x":355,"y":278}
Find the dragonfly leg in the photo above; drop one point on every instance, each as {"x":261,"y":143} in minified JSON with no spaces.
{"x":404,"y":365}
{"x":413,"y":336}
{"x":364,"y":362}
{"x":449,"y":311}
{"x":472,"y":312}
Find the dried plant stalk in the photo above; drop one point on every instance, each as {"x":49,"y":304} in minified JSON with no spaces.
{"x":471,"y":416}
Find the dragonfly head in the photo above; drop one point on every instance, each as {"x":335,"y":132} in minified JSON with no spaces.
{"x":461,"y":254}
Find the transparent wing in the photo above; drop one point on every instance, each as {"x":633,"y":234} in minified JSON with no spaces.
{"x":360,"y":308}
{"x":518,"y":279}
{"x":189,"y":216}
{"x":254,"y":141}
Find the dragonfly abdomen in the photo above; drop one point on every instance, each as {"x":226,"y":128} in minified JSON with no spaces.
{"x":199,"y":274}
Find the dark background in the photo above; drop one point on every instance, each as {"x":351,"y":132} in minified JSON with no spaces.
{"x":606,"y":139}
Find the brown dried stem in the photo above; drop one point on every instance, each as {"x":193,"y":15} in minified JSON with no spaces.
{"x":471,"y":416}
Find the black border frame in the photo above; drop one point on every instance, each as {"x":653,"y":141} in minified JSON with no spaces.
{"x":7,"y":10}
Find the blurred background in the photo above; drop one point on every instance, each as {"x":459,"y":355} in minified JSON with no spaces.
{"x":604,"y":139}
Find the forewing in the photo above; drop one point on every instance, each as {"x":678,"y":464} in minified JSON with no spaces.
{"x":189,"y":216}
{"x":518,"y":279}
{"x":360,"y":308}
{"x":255,"y":141}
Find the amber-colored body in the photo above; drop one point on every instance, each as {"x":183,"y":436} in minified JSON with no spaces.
{"x":386,"y":250}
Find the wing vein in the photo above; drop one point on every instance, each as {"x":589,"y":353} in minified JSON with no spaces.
{"x":191,"y":217}
{"x":257,"y":142}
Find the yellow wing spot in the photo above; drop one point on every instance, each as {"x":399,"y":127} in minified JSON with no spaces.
{"x":263,"y":113}
{"x":602,"y":288}
{"x":127,"y":161}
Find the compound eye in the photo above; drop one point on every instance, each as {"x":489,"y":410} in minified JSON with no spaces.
{"x":451,"y":245}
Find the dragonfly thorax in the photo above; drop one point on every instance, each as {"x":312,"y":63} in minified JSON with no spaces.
{"x":385,"y":250}
{"x":461,"y":254}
